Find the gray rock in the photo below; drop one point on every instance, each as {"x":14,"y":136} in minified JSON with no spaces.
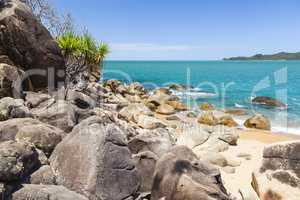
{"x":27,"y":43}
{"x":148,"y":122}
{"x":34,"y":99}
{"x":46,"y":192}
{"x":17,"y":160}
{"x":145,"y":163}
{"x":13,"y":108}
{"x":43,"y":136}
{"x":80,"y":99}
{"x":10,"y":77}
{"x":180,"y":175}
{"x":157,"y":141}
{"x":43,"y":176}
{"x":60,"y":114}
{"x":94,"y":156}
{"x":283,"y":156}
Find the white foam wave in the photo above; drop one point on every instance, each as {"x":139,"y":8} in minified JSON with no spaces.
{"x":239,"y":105}
{"x":194,"y":94}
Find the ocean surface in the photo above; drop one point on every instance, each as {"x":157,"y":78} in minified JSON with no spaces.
{"x":226,"y":84}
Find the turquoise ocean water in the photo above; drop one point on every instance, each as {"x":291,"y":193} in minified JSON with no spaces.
{"x":227,"y":84}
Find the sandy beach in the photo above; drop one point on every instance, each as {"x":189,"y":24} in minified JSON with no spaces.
{"x":251,"y":142}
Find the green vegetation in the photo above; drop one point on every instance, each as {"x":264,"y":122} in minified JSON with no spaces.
{"x":278,"y":56}
{"x":83,"y":45}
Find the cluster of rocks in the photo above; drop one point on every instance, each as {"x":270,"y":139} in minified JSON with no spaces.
{"x":113,"y":141}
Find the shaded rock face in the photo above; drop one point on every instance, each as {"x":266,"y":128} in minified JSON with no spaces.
{"x":258,"y":122}
{"x":283,"y":158}
{"x":46,"y":192}
{"x":16,"y":160}
{"x":279,"y":174}
{"x":180,"y":175}
{"x":268,"y":101}
{"x":9,"y":76}
{"x":27,"y":44}
{"x":94,"y":156}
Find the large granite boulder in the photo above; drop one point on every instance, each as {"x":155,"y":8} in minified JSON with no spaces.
{"x":279,"y":174}
{"x":94,"y":160}
{"x":46,"y":192}
{"x":60,"y":114}
{"x":27,"y":44}
{"x":158,"y":141}
{"x":258,"y":122}
{"x":208,"y":118}
{"x":13,"y":108}
{"x":45,"y":137}
{"x":17,"y":160}
{"x":268,"y":101}
{"x":180,"y":175}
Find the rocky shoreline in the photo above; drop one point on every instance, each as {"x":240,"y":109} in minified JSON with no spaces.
{"x":113,"y":141}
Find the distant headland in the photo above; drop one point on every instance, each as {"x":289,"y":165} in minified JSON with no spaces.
{"x":277,"y":56}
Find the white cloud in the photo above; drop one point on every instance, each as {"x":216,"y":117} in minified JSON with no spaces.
{"x":150,"y":47}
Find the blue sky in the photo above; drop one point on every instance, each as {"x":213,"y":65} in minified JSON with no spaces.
{"x":189,"y":29}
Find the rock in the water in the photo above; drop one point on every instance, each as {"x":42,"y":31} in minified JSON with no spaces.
{"x":206,"y":106}
{"x":94,"y":156}
{"x":180,"y":175}
{"x":43,"y":176}
{"x":236,"y":112}
{"x":208,"y":118}
{"x":268,"y":101}
{"x":28,"y":44}
{"x":258,"y":122}
{"x":17,"y":160}
{"x":165,"y":109}
{"x":46,"y":192}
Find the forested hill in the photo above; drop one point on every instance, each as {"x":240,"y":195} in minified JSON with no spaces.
{"x":278,"y":56}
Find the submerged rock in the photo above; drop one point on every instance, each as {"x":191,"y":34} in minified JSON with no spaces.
{"x":268,"y":101}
